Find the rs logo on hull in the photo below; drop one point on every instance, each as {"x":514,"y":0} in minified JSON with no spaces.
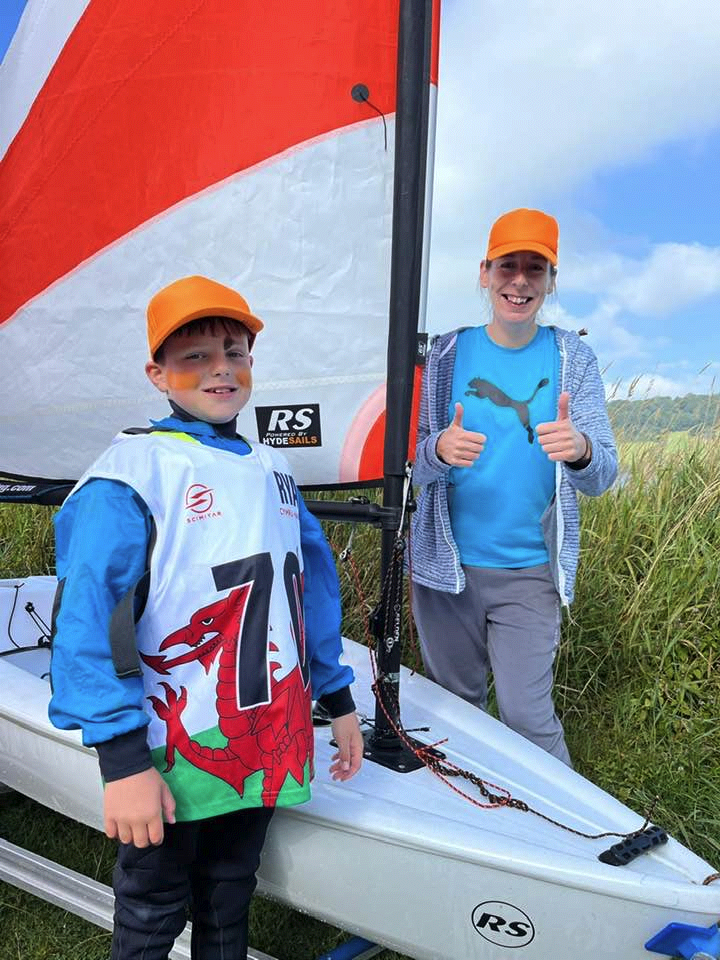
{"x":503,"y":924}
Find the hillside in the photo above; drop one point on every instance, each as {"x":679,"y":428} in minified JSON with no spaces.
{"x":647,"y":419}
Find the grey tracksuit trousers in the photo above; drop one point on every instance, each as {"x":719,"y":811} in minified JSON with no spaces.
{"x":507,"y":621}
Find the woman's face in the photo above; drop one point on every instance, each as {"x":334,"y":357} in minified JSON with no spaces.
{"x":517,"y":285}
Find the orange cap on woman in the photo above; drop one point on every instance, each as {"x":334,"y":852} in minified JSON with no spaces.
{"x":524,"y":229}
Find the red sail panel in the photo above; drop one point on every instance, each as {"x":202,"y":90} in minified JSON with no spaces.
{"x":120,"y":130}
{"x":371,"y":458}
{"x":435,"y":56}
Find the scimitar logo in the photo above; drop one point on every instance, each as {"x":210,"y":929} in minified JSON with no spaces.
{"x":198,"y":498}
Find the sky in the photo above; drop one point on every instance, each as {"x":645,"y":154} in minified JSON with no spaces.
{"x":10,"y":11}
{"x":607,"y":116}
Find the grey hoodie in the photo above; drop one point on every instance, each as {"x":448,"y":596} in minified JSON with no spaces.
{"x":435,"y":556}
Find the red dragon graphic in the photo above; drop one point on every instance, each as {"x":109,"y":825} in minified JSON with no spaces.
{"x":275,"y":737}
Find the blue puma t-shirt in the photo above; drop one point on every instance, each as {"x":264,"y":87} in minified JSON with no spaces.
{"x":496,"y":505}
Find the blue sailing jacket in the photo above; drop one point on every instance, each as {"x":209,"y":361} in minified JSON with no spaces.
{"x":102,"y":536}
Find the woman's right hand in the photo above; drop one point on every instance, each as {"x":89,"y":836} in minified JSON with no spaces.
{"x":459,"y":447}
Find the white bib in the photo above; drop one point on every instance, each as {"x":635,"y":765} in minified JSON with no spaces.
{"x":221,"y":637}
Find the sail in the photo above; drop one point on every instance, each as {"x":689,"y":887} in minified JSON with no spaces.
{"x":251,"y":142}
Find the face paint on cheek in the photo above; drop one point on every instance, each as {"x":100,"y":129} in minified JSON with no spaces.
{"x":183,"y":381}
{"x":243,"y":377}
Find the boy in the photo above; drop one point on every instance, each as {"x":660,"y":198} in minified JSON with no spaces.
{"x":183,"y":647}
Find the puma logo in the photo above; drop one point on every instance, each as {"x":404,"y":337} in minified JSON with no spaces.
{"x":484,"y":390}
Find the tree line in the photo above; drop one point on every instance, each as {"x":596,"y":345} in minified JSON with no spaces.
{"x":698,"y":414}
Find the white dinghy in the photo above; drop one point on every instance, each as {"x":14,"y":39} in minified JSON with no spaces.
{"x":402,"y":859}
{"x":295,"y":212}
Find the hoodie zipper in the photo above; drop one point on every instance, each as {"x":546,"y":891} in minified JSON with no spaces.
{"x":560,"y":520}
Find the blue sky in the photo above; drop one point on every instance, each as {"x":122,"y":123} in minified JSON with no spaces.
{"x":607,"y":116}
{"x":10,"y":11}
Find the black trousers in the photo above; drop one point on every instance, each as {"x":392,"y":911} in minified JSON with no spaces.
{"x":206,"y":866}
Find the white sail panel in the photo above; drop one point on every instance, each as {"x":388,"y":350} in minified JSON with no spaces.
{"x":73,"y":358}
{"x":195,"y":138}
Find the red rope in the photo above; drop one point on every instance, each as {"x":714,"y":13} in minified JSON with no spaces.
{"x":422,"y":753}
{"x":444,"y":769}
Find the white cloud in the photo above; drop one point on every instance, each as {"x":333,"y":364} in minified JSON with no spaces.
{"x":673,"y":276}
{"x":643,"y":387}
{"x":535,"y":102}
{"x":611,"y":339}
{"x":628,"y":362}
{"x":647,"y":385}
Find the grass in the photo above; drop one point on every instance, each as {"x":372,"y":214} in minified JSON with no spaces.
{"x":33,"y":930}
{"x":637,"y":681}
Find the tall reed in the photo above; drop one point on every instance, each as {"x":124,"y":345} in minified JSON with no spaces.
{"x":637,"y":679}
{"x":637,"y":682}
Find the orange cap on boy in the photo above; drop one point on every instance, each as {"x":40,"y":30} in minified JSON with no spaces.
{"x":191,"y":298}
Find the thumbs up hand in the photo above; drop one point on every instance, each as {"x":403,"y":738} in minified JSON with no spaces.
{"x":560,"y":439}
{"x":459,"y":447}
{"x":564,"y":406}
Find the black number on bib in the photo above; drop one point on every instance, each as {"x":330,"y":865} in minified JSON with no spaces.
{"x":294,"y":592}
{"x":256,"y":573}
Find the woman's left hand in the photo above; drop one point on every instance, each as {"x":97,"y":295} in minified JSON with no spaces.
{"x":560,"y":439}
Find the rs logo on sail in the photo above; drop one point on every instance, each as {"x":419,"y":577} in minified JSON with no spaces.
{"x":293,"y":419}
{"x":291,"y":426}
{"x":503,"y":924}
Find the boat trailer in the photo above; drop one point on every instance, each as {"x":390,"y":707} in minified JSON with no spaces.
{"x":93,"y":901}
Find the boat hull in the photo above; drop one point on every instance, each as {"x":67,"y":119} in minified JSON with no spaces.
{"x":401,"y":858}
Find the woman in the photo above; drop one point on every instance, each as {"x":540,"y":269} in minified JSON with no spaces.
{"x":513,"y":424}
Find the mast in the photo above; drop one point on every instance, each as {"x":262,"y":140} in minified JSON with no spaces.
{"x":411,"y":134}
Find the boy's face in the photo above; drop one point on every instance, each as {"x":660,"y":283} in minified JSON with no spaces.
{"x":207,"y":374}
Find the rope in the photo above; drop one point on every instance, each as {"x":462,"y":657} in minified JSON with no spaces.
{"x":413,"y":639}
{"x":16,"y":588}
{"x":428,"y":754}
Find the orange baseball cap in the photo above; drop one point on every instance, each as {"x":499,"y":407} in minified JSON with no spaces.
{"x":524,"y":229}
{"x":191,"y":298}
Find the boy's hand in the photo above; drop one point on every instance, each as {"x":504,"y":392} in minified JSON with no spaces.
{"x":135,"y":807}
{"x":351,"y":746}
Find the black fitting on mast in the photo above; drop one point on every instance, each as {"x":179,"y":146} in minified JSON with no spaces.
{"x":388,"y":518}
